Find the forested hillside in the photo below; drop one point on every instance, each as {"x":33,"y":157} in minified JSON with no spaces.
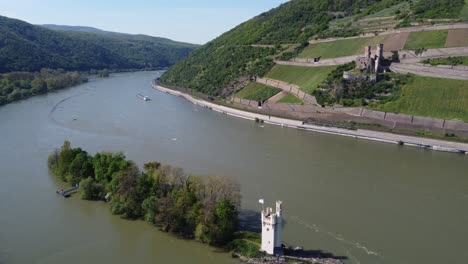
{"x":26,"y":47}
{"x":215,"y":65}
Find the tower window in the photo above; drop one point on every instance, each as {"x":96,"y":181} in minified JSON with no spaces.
{"x":268,"y":229}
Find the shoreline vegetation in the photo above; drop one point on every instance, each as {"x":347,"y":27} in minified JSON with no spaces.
{"x":15,"y":86}
{"x":204,"y":208}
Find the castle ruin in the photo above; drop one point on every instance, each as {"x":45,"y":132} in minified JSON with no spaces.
{"x":369,"y":65}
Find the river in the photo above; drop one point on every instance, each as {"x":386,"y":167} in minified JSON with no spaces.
{"x":369,"y":202}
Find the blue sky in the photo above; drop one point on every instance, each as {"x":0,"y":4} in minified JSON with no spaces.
{"x":182,"y":20}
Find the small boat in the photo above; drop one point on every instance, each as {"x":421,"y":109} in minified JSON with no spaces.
{"x":64,"y":194}
{"x":67,"y":193}
{"x":143,"y":97}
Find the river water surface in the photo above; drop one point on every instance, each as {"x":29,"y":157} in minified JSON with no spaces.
{"x":368,"y":202}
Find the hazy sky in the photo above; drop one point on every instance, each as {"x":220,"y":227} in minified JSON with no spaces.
{"x":182,"y":20}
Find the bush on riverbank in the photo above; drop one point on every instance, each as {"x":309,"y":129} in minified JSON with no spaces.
{"x":203,"y":208}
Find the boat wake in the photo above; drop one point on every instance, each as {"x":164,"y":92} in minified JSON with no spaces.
{"x":316,"y":229}
{"x":57,"y":106}
{"x":116,"y":135}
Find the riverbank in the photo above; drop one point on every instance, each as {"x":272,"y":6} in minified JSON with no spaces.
{"x":427,"y":143}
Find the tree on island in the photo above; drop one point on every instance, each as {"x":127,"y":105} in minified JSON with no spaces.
{"x":203,"y":208}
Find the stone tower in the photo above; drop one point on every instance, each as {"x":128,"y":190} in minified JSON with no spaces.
{"x":367,"y":52}
{"x":271,"y":230}
{"x":378,"y":58}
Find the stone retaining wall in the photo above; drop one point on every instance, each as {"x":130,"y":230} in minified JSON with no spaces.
{"x":244,"y":101}
{"x":399,"y":118}
{"x":373,"y":114}
{"x":391,"y":120}
{"x":290,"y":88}
{"x":349,"y":110}
{"x":429,"y":124}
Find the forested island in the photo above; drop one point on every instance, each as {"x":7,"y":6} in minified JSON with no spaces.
{"x":190,"y":206}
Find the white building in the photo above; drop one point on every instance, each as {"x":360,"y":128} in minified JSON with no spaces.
{"x":271,"y":230}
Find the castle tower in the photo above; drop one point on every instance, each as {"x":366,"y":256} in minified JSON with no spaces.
{"x":380,"y":50}
{"x":271,"y":229}
{"x":379,"y":58}
{"x":367,"y":52}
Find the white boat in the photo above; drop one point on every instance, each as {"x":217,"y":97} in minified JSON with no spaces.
{"x":143,"y":97}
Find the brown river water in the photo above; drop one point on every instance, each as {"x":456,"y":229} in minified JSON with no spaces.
{"x":365,"y":201}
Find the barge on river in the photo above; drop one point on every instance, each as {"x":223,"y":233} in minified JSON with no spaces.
{"x":143,"y":97}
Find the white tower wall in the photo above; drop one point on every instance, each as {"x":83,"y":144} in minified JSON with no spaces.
{"x":268,"y":235}
{"x":271,"y":229}
{"x":379,"y":57}
{"x":278,"y":226}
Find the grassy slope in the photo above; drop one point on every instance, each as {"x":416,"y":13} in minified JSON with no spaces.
{"x":427,"y":39}
{"x":308,"y":78}
{"x":290,"y":99}
{"x":464,"y":11}
{"x":340,"y":48}
{"x":434,"y":97}
{"x":257,"y":92}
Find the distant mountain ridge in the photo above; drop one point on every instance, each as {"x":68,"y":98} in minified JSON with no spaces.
{"x":94,"y":30}
{"x":27,"y":47}
{"x":76,"y":28}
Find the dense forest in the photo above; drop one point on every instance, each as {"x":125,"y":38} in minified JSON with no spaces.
{"x":222,"y":61}
{"x":203,"y":208}
{"x":26,"y":47}
{"x":15,"y":86}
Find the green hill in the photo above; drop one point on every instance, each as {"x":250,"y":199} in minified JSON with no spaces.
{"x":249,"y":49}
{"x":26,"y":47}
{"x":230,"y":56}
{"x":224,"y":60}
